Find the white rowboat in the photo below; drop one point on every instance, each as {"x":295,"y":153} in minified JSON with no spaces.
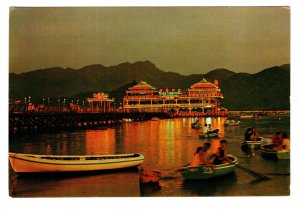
{"x":24,"y":163}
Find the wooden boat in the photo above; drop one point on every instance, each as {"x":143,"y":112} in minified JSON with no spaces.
{"x":210,"y":134}
{"x":247,"y":116}
{"x":231,"y":123}
{"x":255,"y":144}
{"x":204,"y":172}
{"x":283,"y":154}
{"x":24,"y":163}
{"x":196,"y":125}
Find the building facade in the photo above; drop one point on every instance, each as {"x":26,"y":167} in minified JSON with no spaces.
{"x":201,"y":99}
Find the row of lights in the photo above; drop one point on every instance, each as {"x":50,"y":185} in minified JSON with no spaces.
{"x":59,"y":101}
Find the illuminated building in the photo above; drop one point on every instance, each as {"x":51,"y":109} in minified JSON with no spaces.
{"x":201,"y":99}
{"x":100,"y":102}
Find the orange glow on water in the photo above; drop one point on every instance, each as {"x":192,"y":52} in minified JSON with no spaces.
{"x":100,"y":141}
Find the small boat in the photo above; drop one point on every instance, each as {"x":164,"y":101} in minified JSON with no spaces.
{"x":283,"y":154}
{"x":255,"y":144}
{"x":232,"y":123}
{"x":154,"y":118}
{"x":196,"y":125}
{"x":24,"y":163}
{"x":204,"y":172}
{"x":247,"y":116}
{"x":211,"y":134}
{"x":127,"y":120}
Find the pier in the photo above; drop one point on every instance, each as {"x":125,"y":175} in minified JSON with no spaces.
{"x":24,"y":123}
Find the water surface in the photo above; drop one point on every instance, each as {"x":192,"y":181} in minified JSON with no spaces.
{"x":167,"y":145}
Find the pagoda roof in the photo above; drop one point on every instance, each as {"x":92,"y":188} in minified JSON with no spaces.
{"x":204,"y":84}
{"x":100,"y":97}
{"x":142,"y":85}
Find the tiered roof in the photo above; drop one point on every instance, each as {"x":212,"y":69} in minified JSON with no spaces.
{"x":99,"y":97}
{"x":204,"y":85}
{"x":142,"y":86}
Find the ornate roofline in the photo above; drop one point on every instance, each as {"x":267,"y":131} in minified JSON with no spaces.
{"x":142,"y":84}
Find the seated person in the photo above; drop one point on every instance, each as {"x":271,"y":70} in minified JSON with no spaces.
{"x":205,"y":128}
{"x":277,"y":141}
{"x":267,"y":141}
{"x":199,"y":157}
{"x":248,"y":134}
{"x":209,"y":128}
{"x":285,"y":141}
{"x":221,"y":154}
{"x":207,"y":154}
{"x":254,"y":135}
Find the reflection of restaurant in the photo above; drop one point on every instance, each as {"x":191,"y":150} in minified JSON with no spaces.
{"x":201,"y":99}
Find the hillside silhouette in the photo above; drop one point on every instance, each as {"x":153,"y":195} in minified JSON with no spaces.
{"x":266,"y":89}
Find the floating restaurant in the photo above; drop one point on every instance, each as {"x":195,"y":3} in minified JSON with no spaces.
{"x":201,"y":99}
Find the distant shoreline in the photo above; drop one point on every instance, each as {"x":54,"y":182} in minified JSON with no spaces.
{"x":268,"y":112}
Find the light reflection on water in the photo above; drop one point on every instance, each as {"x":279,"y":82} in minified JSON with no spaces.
{"x":166,"y":144}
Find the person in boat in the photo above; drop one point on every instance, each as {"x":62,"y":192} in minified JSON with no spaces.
{"x":247,"y":137}
{"x":221,"y":154}
{"x":277,"y":141}
{"x":267,"y":141}
{"x":254,"y":135}
{"x":209,"y":128}
{"x":205,"y":129}
{"x":208,"y":156}
{"x":198,"y":157}
{"x":248,"y":134}
{"x":285,"y":141}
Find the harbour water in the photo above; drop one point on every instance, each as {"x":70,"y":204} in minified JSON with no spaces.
{"x":167,"y":145}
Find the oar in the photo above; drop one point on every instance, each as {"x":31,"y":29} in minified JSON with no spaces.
{"x":171,"y":174}
{"x":278,"y":173}
{"x":256,"y":174}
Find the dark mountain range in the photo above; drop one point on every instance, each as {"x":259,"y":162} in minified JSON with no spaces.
{"x":267,"y":89}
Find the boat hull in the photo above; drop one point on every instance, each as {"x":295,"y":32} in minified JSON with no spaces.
{"x":247,"y":116}
{"x":204,"y":172}
{"x":26,"y":163}
{"x":196,"y":126}
{"x":277,"y":155}
{"x":208,"y":135}
{"x":231,"y":124}
{"x":253,"y":144}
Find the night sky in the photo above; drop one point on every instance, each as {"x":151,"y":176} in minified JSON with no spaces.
{"x":180,"y":39}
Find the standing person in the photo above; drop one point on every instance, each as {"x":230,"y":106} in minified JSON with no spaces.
{"x":221,"y":154}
